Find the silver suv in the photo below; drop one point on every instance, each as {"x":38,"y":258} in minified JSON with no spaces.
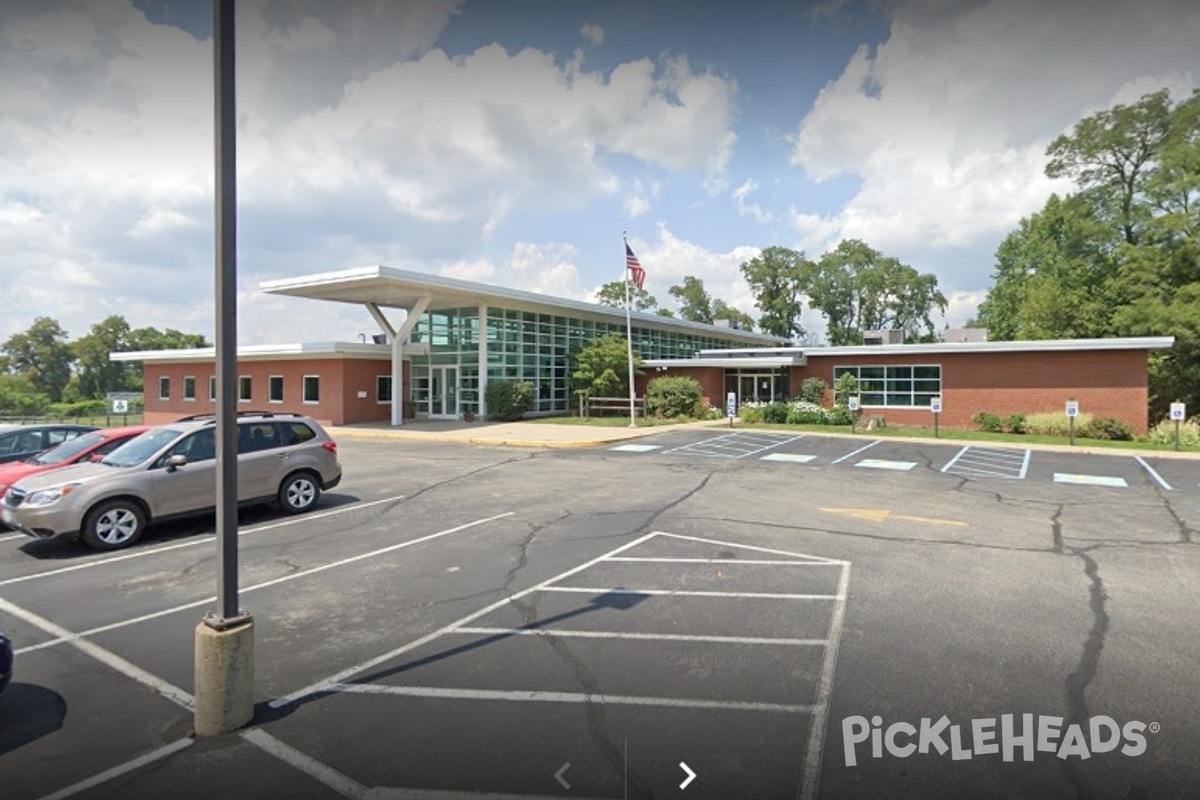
{"x":170,"y":471}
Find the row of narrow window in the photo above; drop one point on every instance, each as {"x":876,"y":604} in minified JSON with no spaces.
{"x":311,"y":388}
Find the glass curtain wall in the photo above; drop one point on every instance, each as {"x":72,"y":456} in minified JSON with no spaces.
{"x":521,"y":345}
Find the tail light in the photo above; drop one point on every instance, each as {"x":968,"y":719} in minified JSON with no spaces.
{"x":331,"y":446}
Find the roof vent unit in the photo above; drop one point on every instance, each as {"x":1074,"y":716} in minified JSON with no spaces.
{"x":883,"y":337}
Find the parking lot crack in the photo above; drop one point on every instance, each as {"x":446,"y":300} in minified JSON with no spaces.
{"x":1085,"y":671}
{"x":1186,"y":534}
{"x":1056,"y":528}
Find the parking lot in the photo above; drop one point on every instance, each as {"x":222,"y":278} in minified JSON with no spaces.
{"x":697,"y":614}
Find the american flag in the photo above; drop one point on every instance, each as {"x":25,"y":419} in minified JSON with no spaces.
{"x":635,"y":268}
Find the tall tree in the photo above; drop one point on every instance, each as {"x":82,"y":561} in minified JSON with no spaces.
{"x":738,"y":318}
{"x":613,"y":294}
{"x":602,"y":368}
{"x":98,"y":374}
{"x":779,"y":277}
{"x":858,"y":288}
{"x":1113,"y":153}
{"x":42,"y":356}
{"x":694,"y":303}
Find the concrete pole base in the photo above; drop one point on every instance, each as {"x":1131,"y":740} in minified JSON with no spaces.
{"x":224,"y":678}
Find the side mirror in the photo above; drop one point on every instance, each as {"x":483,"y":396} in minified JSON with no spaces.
{"x":176,"y":461}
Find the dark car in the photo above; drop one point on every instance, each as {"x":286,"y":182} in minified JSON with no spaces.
{"x":6,"y":661}
{"x":19,"y":442}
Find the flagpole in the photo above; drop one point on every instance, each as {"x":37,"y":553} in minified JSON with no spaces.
{"x":629,"y":335}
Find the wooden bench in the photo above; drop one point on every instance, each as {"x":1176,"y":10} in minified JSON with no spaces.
{"x":619,"y":404}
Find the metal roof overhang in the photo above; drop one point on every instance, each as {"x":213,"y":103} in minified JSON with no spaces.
{"x":398,"y":288}
{"x":742,"y":362}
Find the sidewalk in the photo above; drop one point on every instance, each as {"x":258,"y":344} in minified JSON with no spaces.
{"x":510,"y":434}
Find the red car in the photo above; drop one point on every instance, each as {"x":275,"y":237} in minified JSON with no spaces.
{"x":97,"y":443}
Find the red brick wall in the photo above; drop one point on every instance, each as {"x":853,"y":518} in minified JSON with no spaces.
{"x":1106,"y":383}
{"x":341,"y":380}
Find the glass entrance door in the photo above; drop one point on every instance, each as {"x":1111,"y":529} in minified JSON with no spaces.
{"x":443,"y":391}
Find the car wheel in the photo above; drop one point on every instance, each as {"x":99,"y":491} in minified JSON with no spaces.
{"x":113,"y":525}
{"x":298,"y":493}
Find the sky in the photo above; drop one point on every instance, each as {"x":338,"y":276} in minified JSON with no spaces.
{"x":516,"y":142}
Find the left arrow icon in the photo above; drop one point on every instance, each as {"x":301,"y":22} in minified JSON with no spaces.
{"x":691,"y":776}
{"x":558,"y":776}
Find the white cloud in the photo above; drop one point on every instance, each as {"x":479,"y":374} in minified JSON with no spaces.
{"x":946,"y":123}
{"x":670,"y":259}
{"x":592,"y":33}
{"x":745,"y":208}
{"x":639,"y":198}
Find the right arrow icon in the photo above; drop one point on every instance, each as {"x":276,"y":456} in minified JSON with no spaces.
{"x":691,"y":776}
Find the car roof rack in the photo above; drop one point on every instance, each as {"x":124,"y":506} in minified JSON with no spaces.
{"x":267,"y":414}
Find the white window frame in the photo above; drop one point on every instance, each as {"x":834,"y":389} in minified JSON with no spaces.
{"x":164,"y":387}
{"x":271,"y":378}
{"x":212,"y":388}
{"x":379,"y":379}
{"x":249,"y":384}
{"x":858,"y":377}
{"x":189,"y":379}
{"x":304,"y":390}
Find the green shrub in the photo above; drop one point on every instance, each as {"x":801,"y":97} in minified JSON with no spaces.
{"x":987,"y":421}
{"x":1014,"y":423}
{"x":675,"y":397}
{"x":1055,"y":423}
{"x":776,"y":413}
{"x":751,"y":414}
{"x":845,"y":386}
{"x":508,"y":400}
{"x":800,"y":415}
{"x":1189,"y":433}
{"x":80,"y":408}
{"x":839,"y":416}
{"x":1108,"y":428}
{"x":812,"y":390}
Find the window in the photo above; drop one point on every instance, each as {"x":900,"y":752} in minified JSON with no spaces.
{"x":296,"y":433}
{"x":258,"y":436}
{"x":275,"y":389}
{"x":189,"y":387}
{"x":383,"y":388}
{"x":164,"y":388}
{"x":245,"y":389}
{"x":895,"y":387}
{"x":212,"y":388}
{"x":312,"y":389}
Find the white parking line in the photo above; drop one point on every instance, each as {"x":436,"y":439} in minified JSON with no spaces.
{"x":274,"y":582}
{"x":12,"y":536}
{"x":105,"y":657}
{"x":1153,"y":473}
{"x":686,"y":593}
{"x":954,"y":460}
{"x":793,"y":457}
{"x":816,"y":731}
{"x":322,"y":773}
{"x":652,"y":637}
{"x":635,"y":448}
{"x":762,"y":562}
{"x":121,"y":769}
{"x":194,"y":542}
{"x":523,"y":696}
{"x":856,"y":452}
{"x":327,"y":684}
{"x":702,"y":540}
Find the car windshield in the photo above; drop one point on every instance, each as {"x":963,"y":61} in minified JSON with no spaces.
{"x":140,"y":448}
{"x":64,"y":452}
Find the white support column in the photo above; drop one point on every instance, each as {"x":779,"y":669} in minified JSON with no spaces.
{"x":483,"y":360}
{"x":397,"y":338}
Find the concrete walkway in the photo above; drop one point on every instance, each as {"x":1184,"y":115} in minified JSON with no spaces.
{"x":512,"y":434}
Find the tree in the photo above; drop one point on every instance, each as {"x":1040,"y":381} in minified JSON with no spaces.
{"x":857,"y":288}
{"x":779,"y":277}
{"x":694,"y":303}
{"x":1112,"y":155}
{"x":98,"y":374}
{"x":42,"y":356}
{"x":613,"y":294}
{"x":602,"y":368}
{"x":739,"y":318}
